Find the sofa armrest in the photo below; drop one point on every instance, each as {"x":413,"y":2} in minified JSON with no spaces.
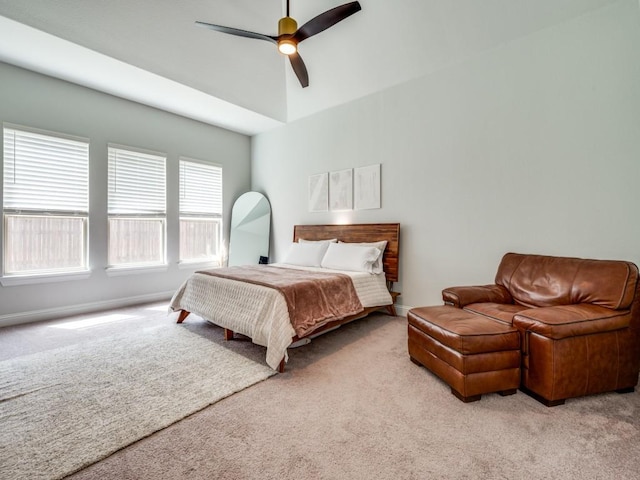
{"x":565,"y":321}
{"x":461,"y":296}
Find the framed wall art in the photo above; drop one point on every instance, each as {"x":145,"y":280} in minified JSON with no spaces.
{"x":319,"y":192}
{"x":366,"y":187}
{"x":341,"y":190}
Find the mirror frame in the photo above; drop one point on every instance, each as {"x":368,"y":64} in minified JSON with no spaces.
{"x":250,"y":230}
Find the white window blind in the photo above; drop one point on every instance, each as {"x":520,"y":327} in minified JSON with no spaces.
{"x":136,"y":207}
{"x":45,"y":173}
{"x":45,"y":202}
{"x":200,"y":211}
{"x":137,"y":182}
{"x":200,"y":188}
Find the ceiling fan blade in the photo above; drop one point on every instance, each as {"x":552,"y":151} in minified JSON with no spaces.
{"x":325,"y":20}
{"x":300,"y":69}
{"x":238,"y":32}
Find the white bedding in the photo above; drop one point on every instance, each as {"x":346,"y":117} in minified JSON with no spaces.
{"x":261,"y":312}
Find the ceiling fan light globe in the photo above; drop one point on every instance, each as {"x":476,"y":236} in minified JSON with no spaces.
{"x":287,"y":47}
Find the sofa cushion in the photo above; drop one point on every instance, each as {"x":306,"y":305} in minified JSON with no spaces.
{"x":545,"y":281}
{"x":502,"y":312}
{"x":571,"y":320}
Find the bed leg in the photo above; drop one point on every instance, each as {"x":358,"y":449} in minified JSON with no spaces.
{"x":183,"y":314}
{"x":228,"y":334}
{"x":392,"y":308}
{"x":281,"y":366}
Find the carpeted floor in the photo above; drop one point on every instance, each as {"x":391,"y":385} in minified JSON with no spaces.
{"x":352,"y":406}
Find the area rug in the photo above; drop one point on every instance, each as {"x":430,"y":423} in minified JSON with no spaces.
{"x":64,"y":409}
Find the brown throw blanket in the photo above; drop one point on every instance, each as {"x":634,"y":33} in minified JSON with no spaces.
{"x":313,"y":298}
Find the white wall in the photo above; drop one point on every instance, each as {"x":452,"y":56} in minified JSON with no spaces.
{"x":532,"y":147}
{"x":38,"y":101}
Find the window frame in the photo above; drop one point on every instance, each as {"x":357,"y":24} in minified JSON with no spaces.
{"x":216,"y":217}
{"x":52,"y":274}
{"x":114,"y":269}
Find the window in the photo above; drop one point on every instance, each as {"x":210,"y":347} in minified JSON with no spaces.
{"x":45,"y":202}
{"x":200,"y":211}
{"x":136,"y":207}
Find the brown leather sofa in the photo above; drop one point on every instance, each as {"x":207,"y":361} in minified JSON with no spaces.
{"x":578,"y":319}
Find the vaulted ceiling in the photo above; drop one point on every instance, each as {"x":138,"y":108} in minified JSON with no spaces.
{"x":152,"y":52}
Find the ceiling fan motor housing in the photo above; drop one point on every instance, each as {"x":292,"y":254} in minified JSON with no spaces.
{"x":287,"y":26}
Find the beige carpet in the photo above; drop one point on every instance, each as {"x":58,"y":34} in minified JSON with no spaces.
{"x":352,"y":406}
{"x":63,"y":409}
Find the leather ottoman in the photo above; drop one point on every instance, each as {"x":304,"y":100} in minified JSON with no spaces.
{"x":471,"y":353}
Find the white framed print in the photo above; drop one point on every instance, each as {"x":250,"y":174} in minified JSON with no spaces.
{"x":341,"y":189}
{"x":366,"y":187}
{"x":319,"y":192}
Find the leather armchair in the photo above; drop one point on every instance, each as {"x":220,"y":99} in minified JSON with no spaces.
{"x":579,"y":322}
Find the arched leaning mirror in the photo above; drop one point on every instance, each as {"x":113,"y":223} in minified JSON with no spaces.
{"x":250,"y":225}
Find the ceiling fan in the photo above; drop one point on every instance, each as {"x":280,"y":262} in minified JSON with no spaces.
{"x":289,"y":35}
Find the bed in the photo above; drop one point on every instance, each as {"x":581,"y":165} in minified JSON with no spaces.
{"x":238,"y":300}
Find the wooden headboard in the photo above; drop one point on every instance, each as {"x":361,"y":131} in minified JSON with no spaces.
{"x":362,"y":232}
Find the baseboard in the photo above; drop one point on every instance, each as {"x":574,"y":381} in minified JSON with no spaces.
{"x":51,"y":313}
{"x":58,"y":312}
{"x":401,"y":310}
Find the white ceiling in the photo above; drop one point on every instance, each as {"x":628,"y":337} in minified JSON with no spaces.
{"x":151,"y":51}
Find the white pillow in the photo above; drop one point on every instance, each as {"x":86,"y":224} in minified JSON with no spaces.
{"x":306,"y":254}
{"x":332,"y":240}
{"x":345,"y":256}
{"x":378,"y":266}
